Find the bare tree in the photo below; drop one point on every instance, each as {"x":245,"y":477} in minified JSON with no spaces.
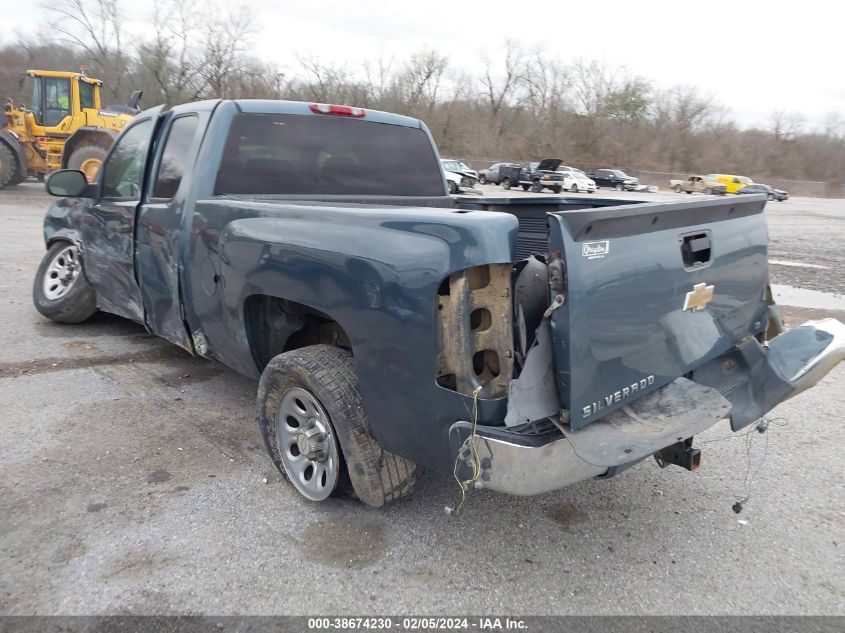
{"x":499,"y":89}
{"x":225,"y":39}
{"x":419,"y":81}
{"x":95,"y":27}
{"x":169,"y":57}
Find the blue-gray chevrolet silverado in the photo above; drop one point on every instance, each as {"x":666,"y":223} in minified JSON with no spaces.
{"x":520,"y":344}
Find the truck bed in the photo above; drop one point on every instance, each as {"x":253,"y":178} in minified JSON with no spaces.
{"x":628,"y":322}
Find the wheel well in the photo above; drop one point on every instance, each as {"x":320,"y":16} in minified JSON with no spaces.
{"x":275,"y":325}
{"x":100,"y":138}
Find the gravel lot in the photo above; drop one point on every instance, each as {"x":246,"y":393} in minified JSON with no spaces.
{"x":133,"y":479}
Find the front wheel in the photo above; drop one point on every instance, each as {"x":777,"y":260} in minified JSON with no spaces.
{"x":317,"y":433}
{"x":619,"y":187}
{"x":87,"y":159}
{"x":526,"y":187}
{"x":482,"y":179}
{"x":708,"y":191}
{"x":60,"y":291}
{"x":574,"y":188}
{"x":678,"y":188}
{"x":770,"y":197}
{"x":557,"y":189}
{"x":453,"y":188}
{"x":537,"y":187}
{"x":8,"y":165}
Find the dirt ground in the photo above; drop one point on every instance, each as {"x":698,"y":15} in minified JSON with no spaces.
{"x":133,"y":479}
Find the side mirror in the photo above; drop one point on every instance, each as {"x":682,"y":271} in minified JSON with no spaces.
{"x":68,"y":183}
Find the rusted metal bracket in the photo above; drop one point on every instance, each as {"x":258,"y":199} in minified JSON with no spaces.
{"x":476,"y":331}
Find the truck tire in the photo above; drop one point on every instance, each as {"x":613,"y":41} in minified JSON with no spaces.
{"x":526,"y":187}
{"x":506,"y":183}
{"x":87,"y":159}
{"x":308,"y":400}
{"x":60,"y":291}
{"x":537,"y":187}
{"x":678,"y":188}
{"x":8,"y":166}
{"x":557,"y":189}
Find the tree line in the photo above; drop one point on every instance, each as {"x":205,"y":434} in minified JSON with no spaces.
{"x":518,"y":103}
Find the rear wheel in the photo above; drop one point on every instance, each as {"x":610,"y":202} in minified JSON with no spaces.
{"x":60,"y":291}
{"x":708,"y":191}
{"x":574,"y":187}
{"x":8,"y":165}
{"x":506,"y":183}
{"x":526,"y":187}
{"x":453,"y":188}
{"x":770,"y":197}
{"x":482,"y":179}
{"x":678,"y":188}
{"x":619,"y":187}
{"x":557,"y":189}
{"x":87,"y":159}
{"x":317,"y":433}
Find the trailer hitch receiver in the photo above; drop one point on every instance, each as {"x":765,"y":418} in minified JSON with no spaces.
{"x":681,"y":454}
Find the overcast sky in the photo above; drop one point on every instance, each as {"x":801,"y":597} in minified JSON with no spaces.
{"x":753,"y":56}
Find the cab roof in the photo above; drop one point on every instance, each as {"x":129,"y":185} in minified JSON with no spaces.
{"x":63,"y":75}
{"x":273,"y":106}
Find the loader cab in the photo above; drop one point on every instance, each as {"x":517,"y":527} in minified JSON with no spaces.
{"x":59,"y":100}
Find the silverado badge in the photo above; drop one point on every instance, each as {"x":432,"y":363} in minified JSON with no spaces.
{"x":698,"y":297}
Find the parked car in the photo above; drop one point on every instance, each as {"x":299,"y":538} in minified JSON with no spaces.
{"x":576,"y":181}
{"x":771,"y":193}
{"x":731,"y":182}
{"x":533,"y":176}
{"x":458,"y":166}
{"x":698,"y":184}
{"x":615,"y":179}
{"x":459,"y":183}
{"x":377,"y":313}
{"x":491,"y":174}
{"x":459,"y":177}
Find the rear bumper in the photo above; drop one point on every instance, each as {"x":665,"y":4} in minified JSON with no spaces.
{"x":742,"y":385}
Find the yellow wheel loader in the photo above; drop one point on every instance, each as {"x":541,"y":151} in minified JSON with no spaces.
{"x":64,"y":127}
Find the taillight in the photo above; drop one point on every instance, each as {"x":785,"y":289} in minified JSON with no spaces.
{"x":337,"y":110}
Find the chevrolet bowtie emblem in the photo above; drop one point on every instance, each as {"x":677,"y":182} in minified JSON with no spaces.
{"x":698,"y":297}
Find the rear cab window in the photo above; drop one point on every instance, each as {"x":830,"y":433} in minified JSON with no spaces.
{"x":292,"y":154}
{"x":86,"y":94}
{"x":177,"y":147}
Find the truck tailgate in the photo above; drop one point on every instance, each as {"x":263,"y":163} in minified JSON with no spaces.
{"x":650,"y":292}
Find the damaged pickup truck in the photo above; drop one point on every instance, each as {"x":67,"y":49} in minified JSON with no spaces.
{"x":521,"y":344}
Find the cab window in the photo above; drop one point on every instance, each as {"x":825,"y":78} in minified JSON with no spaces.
{"x":86,"y":95}
{"x":177,"y":148}
{"x":56,"y":100}
{"x":123,"y":170}
{"x":281,"y":154}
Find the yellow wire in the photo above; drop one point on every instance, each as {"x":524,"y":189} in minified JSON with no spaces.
{"x":470,"y":443}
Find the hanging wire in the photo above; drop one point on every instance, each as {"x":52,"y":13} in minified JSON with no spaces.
{"x":761,"y":427}
{"x":468,"y":447}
